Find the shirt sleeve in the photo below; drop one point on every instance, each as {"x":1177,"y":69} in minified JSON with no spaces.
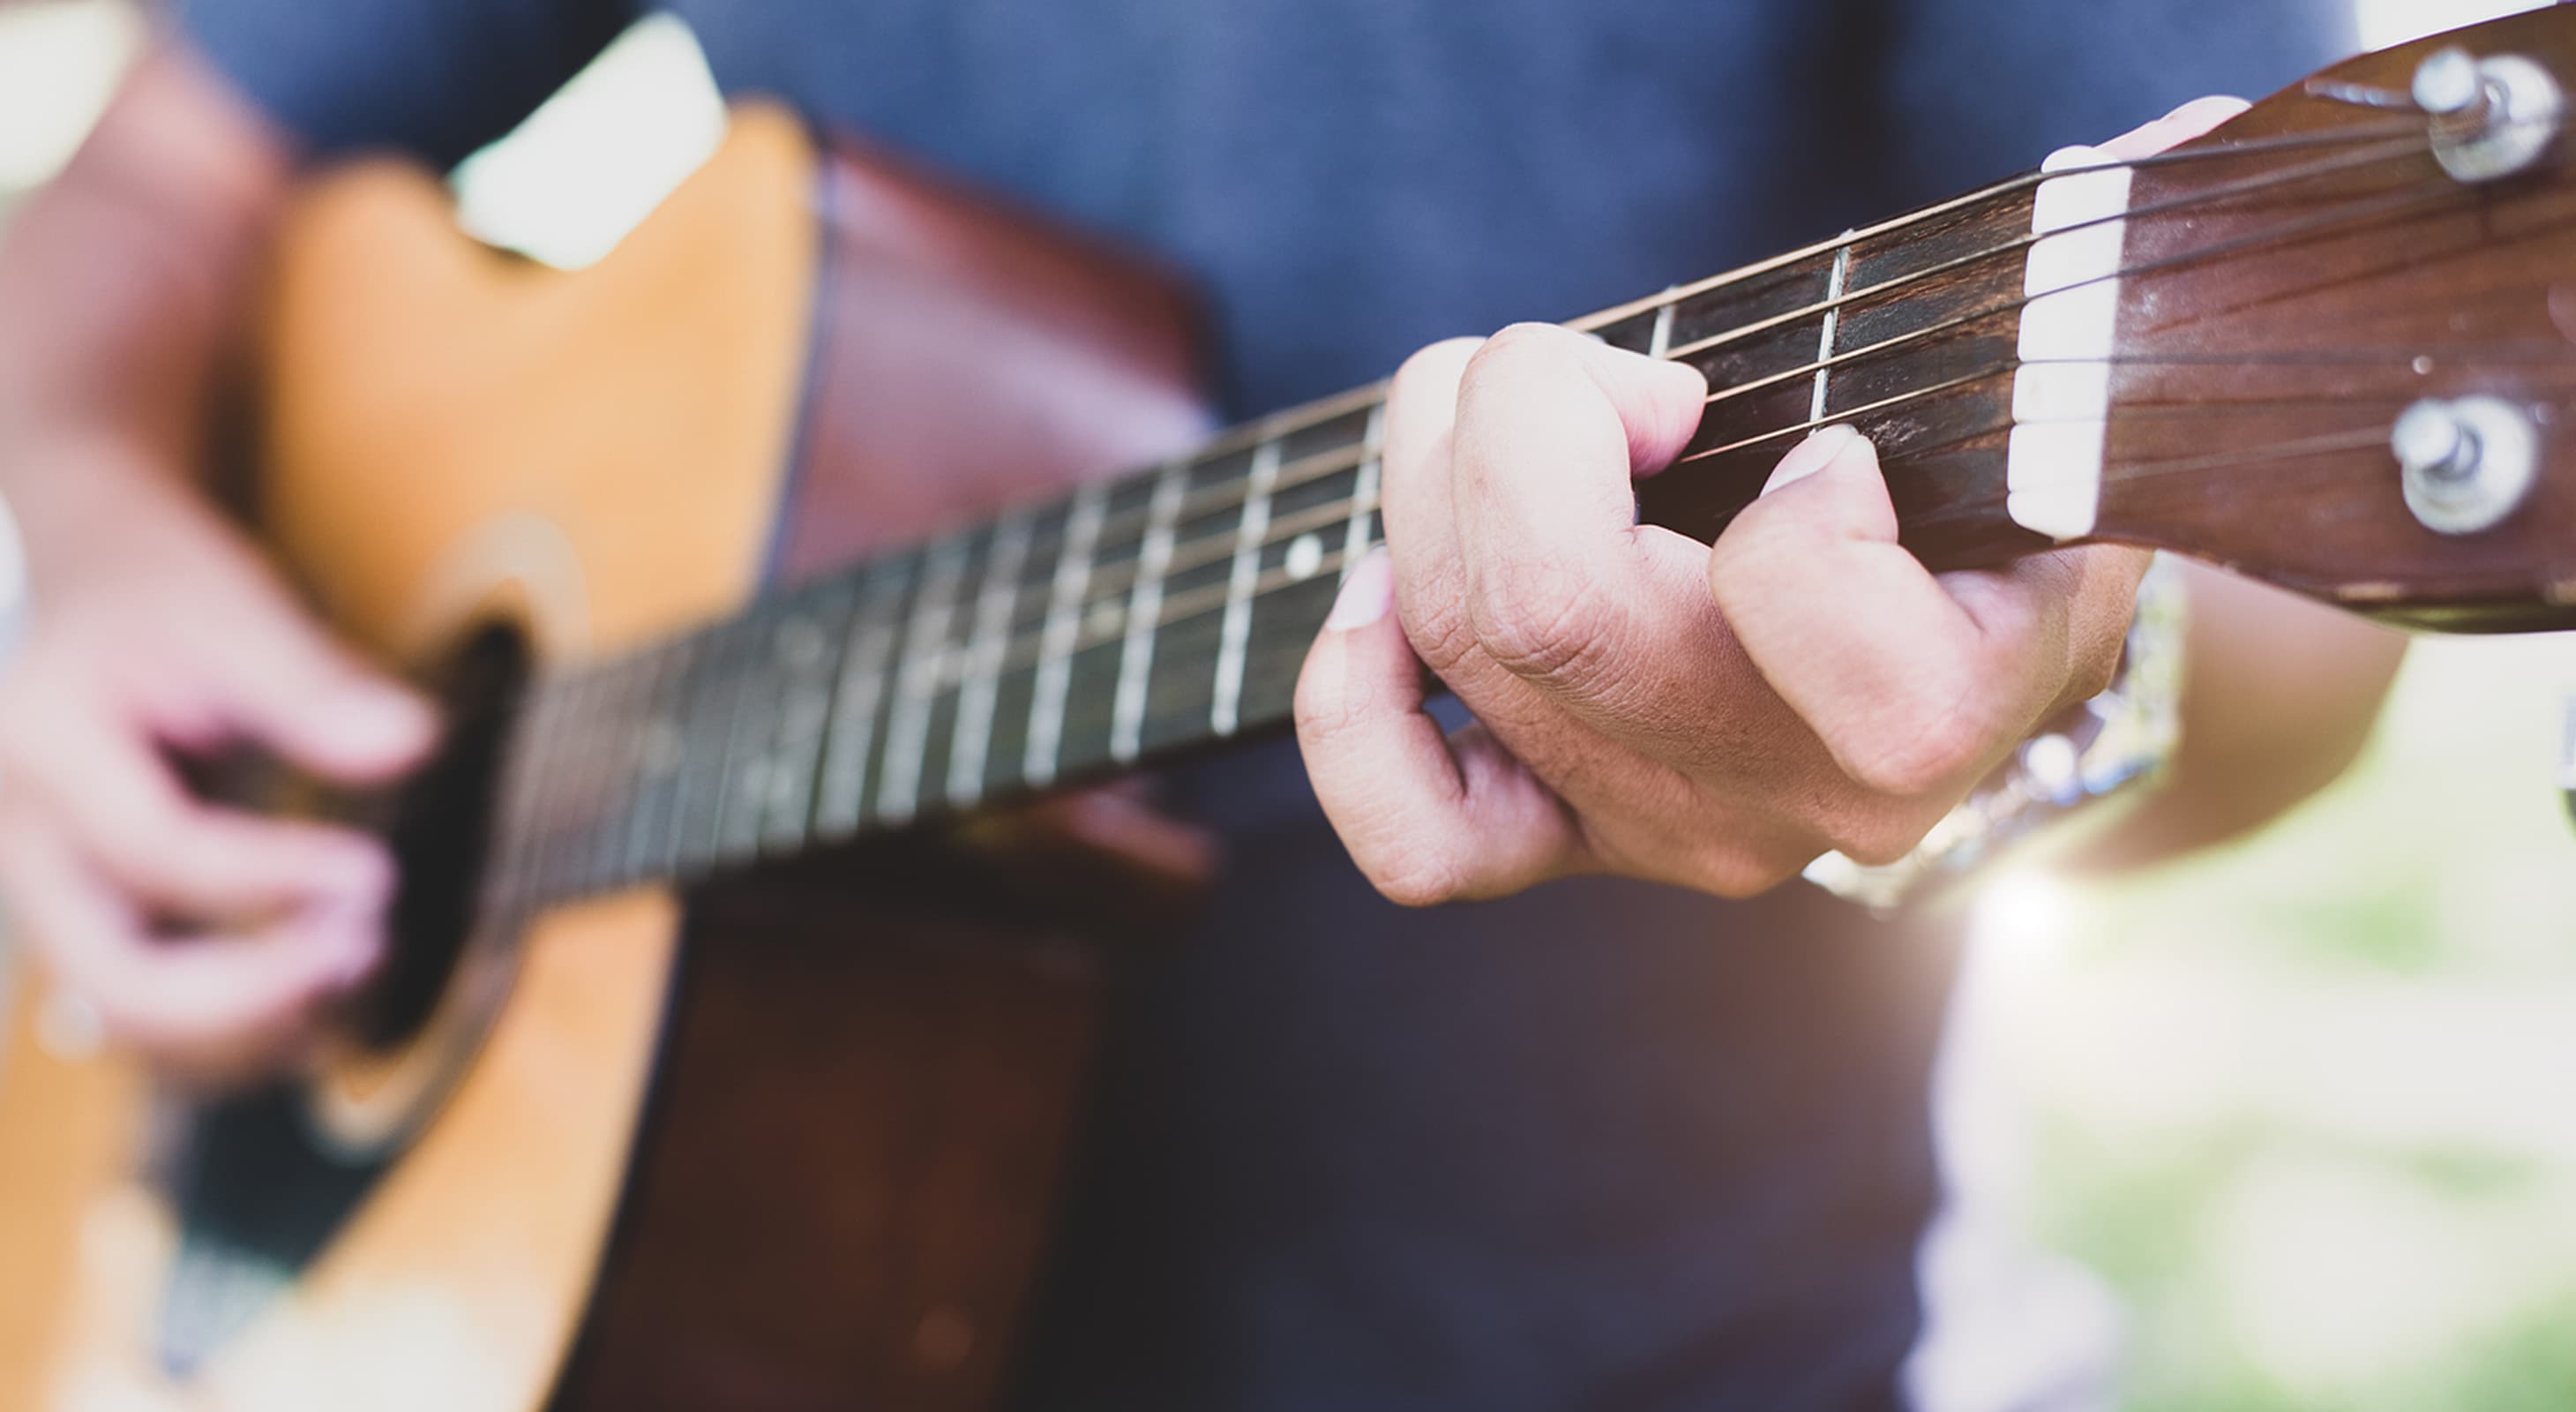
{"x":432,"y":79}
{"x":1978,"y":89}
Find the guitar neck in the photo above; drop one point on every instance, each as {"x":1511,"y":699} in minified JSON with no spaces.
{"x":2190,"y":350}
{"x":1166,"y":611}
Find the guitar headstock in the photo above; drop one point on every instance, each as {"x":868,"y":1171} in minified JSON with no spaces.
{"x":2345,"y":358}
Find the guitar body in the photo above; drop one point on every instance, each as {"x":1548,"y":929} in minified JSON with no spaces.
{"x":789,"y":1139}
{"x":783,"y":1142}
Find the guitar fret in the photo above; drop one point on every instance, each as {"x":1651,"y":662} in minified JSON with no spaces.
{"x":1063,"y":632}
{"x":990,"y":643}
{"x":650,"y":757}
{"x":1225,"y":715}
{"x":562,"y":836}
{"x":754,"y":772}
{"x":656,"y":753}
{"x":917,"y":681}
{"x":1144,"y":610}
{"x":605,"y":859}
{"x":706,"y":751}
{"x":528,"y":792}
{"x":1660,"y":343}
{"x":1356,"y":538}
{"x":1833,"y":321}
{"x":804,"y":721}
{"x":841,"y":791}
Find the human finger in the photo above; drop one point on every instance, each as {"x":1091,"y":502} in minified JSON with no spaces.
{"x":126,"y":810}
{"x":1427,"y":817}
{"x":2192,"y":119}
{"x":1909,"y":687}
{"x":1415,"y":502}
{"x":1552,"y":428}
{"x":206,"y":1004}
{"x":280,"y":680}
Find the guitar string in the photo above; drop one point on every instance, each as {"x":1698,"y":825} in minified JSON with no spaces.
{"x":1219,"y":544}
{"x":2009,"y":186}
{"x":1109,"y":583}
{"x":2179,"y":202}
{"x":1108,"y":590}
{"x":2398,"y":202}
{"x":1225,"y":495}
{"x":1333,"y":462}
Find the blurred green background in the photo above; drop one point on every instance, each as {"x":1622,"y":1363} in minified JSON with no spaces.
{"x":2306,"y":1106}
{"x":2309,"y":1103}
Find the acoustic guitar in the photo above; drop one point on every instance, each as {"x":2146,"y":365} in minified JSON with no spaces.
{"x":736,"y":560}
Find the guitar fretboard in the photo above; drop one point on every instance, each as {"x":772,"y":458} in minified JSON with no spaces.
{"x":1171,"y":609}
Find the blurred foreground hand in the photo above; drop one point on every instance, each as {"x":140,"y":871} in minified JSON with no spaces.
{"x":202,"y":935}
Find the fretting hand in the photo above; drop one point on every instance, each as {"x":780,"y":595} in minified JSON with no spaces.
{"x":1644,"y":705}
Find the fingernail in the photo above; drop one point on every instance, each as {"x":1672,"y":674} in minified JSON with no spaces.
{"x":1827,"y":447}
{"x":2226,"y":103}
{"x":1366,"y":594}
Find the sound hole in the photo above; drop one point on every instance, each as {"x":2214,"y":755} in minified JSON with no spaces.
{"x":441,"y":836}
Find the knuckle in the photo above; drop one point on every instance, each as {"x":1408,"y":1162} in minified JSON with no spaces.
{"x":1739,"y":873}
{"x":1515,"y":346}
{"x":1431,"y":368}
{"x":1875,"y":837}
{"x":1549,"y":627}
{"x":1325,"y":712}
{"x":1908,"y":755}
{"x":1440,"y":626}
{"x":2093,"y":673}
{"x":1516,"y":340}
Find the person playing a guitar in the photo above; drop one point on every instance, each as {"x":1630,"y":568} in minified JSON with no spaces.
{"x":1502,"y":1071}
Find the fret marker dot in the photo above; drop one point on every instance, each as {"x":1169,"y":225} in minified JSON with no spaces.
{"x":1103,"y":619}
{"x":1305,"y":556}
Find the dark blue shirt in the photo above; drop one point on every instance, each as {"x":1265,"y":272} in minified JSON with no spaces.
{"x":1603,"y":1144}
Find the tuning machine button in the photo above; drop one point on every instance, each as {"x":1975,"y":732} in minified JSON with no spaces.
{"x":2491,"y":117}
{"x":2467,"y":462}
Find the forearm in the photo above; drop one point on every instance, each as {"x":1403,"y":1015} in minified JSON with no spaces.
{"x":2279,"y":695}
{"x":123,"y":284}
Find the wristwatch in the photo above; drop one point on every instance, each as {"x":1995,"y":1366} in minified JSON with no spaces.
{"x":2107,"y":747}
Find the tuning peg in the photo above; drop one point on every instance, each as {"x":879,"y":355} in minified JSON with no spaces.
{"x":2492,"y":117}
{"x":2467,"y":463}
{"x":2448,"y":85}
